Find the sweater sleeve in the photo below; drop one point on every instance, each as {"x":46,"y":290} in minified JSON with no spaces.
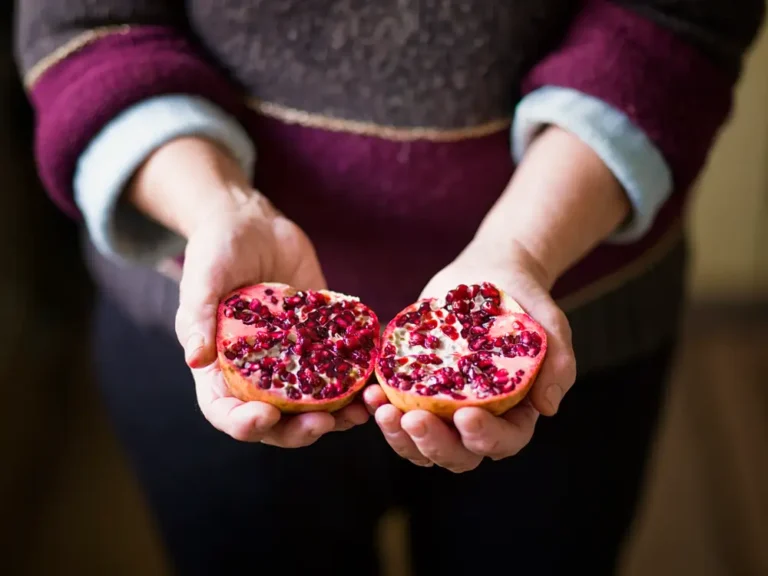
{"x":87,"y":63}
{"x":646,"y":83}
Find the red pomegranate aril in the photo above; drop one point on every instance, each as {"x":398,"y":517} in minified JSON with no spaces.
{"x":461,"y":291}
{"x":477,"y":344}
{"x":460,"y":306}
{"x":491,"y":308}
{"x":481,"y":342}
{"x":500,"y":380}
{"x":450,"y":331}
{"x":478,"y":330}
{"x":490,"y":291}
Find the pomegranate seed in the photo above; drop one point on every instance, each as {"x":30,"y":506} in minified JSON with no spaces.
{"x":477,"y":344}
{"x":490,"y":308}
{"x":417,"y":339}
{"x":460,"y":306}
{"x":489,"y":291}
{"x":500,"y":380}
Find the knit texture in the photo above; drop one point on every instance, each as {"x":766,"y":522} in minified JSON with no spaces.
{"x":678,"y":98}
{"x":113,"y":156}
{"x":381,"y":126}
{"x":118,"y":230}
{"x":624,"y":149}
{"x":79,"y":96}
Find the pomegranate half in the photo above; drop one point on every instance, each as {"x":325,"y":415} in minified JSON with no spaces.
{"x":474,"y":347}
{"x":300,"y":351}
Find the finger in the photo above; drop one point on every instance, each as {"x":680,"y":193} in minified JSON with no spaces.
{"x":244,"y":421}
{"x":300,"y":430}
{"x":558,"y":371}
{"x":388,"y":418}
{"x":488,"y":435}
{"x":350,"y":416}
{"x":196,"y":318}
{"x":374,"y":398}
{"x":438,"y":442}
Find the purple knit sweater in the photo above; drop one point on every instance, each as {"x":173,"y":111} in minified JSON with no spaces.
{"x":384,"y":131}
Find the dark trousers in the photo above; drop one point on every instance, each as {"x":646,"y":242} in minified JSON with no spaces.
{"x":563,"y":505}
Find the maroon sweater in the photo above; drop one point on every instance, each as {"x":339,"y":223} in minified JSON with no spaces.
{"x":383,"y":127}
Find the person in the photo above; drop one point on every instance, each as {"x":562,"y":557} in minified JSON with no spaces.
{"x":388,"y":150}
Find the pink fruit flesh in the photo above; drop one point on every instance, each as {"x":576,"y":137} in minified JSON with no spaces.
{"x":298,"y":350}
{"x":474,"y":347}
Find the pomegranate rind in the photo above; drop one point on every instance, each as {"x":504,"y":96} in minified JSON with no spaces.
{"x":445,"y":407}
{"x":243,"y":388}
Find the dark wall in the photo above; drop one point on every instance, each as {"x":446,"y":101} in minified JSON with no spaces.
{"x":44,"y":295}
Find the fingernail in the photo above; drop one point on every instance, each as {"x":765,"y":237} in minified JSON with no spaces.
{"x":417,"y":430}
{"x":554,"y":395}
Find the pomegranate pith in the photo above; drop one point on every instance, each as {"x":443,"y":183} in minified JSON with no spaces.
{"x":300,"y":351}
{"x":474,"y":347}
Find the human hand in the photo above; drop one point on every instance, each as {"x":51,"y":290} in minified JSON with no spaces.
{"x":425,"y":439}
{"x":235,"y":238}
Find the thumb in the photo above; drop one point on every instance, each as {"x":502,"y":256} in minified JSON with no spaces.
{"x":196,"y":321}
{"x":196,"y":331}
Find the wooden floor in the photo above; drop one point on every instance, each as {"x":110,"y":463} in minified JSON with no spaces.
{"x":706,"y":510}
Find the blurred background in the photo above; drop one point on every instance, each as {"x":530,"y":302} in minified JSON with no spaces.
{"x":70,"y":505}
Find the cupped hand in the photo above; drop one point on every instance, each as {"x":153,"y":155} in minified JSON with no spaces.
{"x":426,"y":440}
{"x":246,"y":243}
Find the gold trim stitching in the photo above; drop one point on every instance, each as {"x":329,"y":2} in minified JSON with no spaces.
{"x":611,"y":282}
{"x":395,"y":133}
{"x":68,"y":48}
{"x":284,"y":113}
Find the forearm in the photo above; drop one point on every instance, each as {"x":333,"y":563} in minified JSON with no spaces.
{"x":561,"y":202}
{"x":185,"y":181}
{"x":87,"y":68}
{"x":648,"y":87}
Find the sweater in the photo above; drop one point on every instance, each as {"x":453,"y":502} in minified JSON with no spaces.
{"x":387,"y":130}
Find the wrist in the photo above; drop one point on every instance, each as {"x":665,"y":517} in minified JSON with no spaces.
{"x":561,"y":202}
{"x":187,"y":180}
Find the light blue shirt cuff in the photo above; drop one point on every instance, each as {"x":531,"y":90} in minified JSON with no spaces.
{"x":625,"y":149}
{"x":112,"y":157}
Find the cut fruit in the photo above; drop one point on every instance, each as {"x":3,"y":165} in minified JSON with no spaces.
{"x":474,"y":347}
{"x":300,"y":351}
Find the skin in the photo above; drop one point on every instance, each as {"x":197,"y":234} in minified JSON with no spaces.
{"x":561,"y":202}
{"x":194,"y":188}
